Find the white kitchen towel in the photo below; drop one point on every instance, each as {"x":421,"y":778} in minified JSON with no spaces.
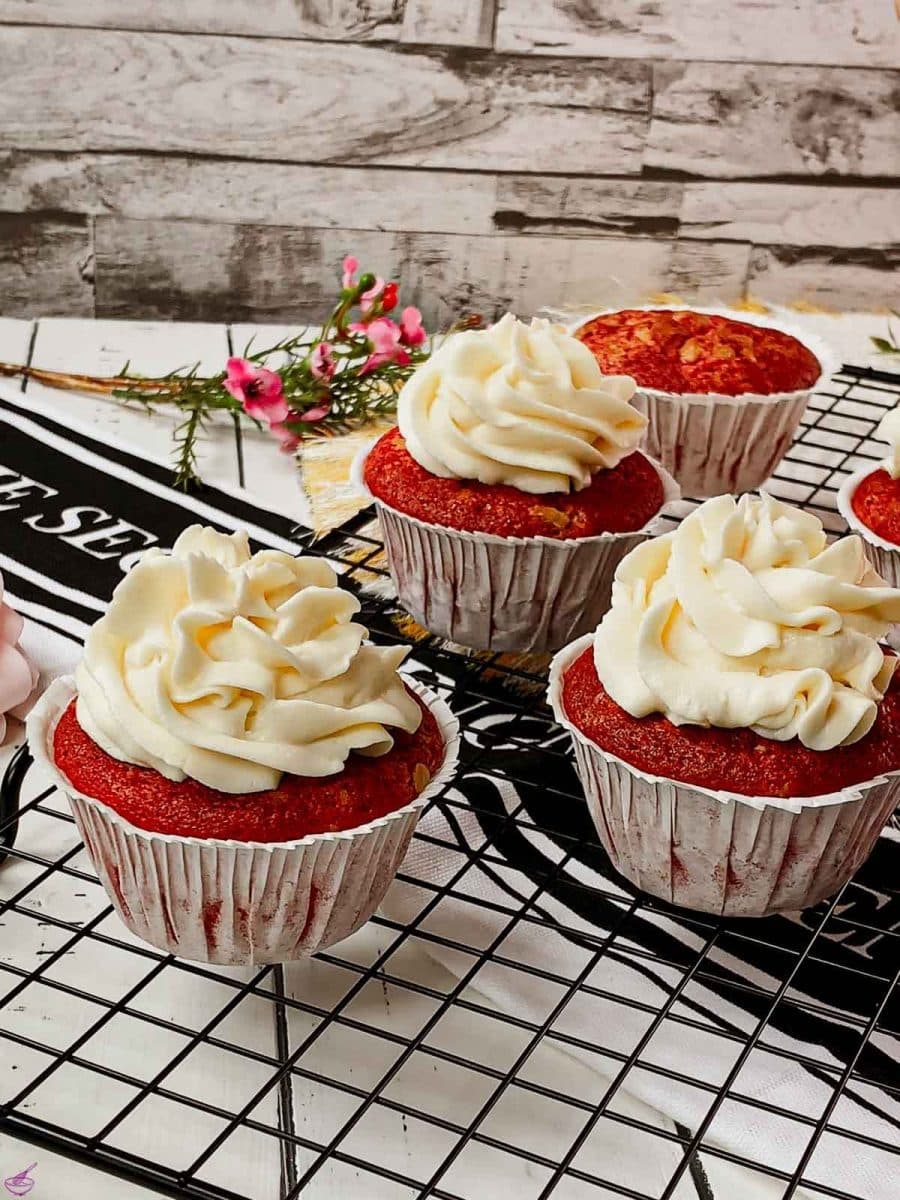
{"x":76,"y":507}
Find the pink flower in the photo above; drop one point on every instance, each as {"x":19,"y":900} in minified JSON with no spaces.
{"x":383,"y":333}
{"x":384,"y":338}
{"x":322,"y":362}
{"x":288,"y":440}
{"x":367,"y":299}
{"x":318,"y":413}
{"x":350,"y":265}
{"x":257,"y":389}
{"x":412,"y":333}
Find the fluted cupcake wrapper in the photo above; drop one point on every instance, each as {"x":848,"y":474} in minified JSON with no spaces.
{"x":882,"y":554}
{"x":713,"y":443}
{"x":235,"y":902}
{"x":529,"y":595}
{"x":716,"y":851}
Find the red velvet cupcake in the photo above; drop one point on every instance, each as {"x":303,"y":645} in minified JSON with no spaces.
{"x":724,"y":396}
{"x":245,"y":769}
{"x":300,"y":806}
{"x":736,"y":723}
{"x":621,"y":499}
{"x":512,"y":487}
{"x":869,"y":502}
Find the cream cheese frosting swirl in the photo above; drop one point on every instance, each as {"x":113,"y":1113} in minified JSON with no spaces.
{"x":523,"y":405}
{"x":232,"y":668}
{"x":889,"y":431}
{"x":744,"y":617}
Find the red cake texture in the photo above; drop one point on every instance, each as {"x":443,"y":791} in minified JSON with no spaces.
{"x":367,"y":788}
{"x":733,"y":760}
{"x":697,"y":352}
{"x":616,"y":501}
{"x":876,"y":501}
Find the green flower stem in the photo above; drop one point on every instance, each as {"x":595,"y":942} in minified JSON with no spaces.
{"x":351,"y":397}
{"x":890,"y":344}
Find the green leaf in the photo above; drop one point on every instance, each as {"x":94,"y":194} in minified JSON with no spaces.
{"x":883,"y":346}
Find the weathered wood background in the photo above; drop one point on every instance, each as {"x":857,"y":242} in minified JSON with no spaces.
{"x":214,"y":159}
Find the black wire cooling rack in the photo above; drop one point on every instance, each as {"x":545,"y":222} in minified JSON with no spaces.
{"x":177,"y":1062}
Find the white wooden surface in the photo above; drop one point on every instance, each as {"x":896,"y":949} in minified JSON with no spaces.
{"x":293,"y":128}
{"x":846,"y":32}
{"x":850,"y":32}
{"x":228,"y":1079}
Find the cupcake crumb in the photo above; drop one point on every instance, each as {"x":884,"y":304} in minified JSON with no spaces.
{"x":553,"y":516}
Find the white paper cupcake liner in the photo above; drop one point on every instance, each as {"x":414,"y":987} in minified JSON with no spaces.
{"x":716,"y":851}
{"x":529,"y":595}
{"x":882,"y":554}
{"x":713,"y":443}
{"x":232,"y":902}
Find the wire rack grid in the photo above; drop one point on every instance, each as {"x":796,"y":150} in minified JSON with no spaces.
{"x":87,"y":1010}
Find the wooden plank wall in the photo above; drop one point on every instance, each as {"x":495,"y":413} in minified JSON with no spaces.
{"x":215,"y":159}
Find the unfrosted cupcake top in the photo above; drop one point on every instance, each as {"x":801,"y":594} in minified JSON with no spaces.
{"x":232,"y":668}
{"x":516,"y":404}
{"x":743,"y":617}
{"x":693,"y":352}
